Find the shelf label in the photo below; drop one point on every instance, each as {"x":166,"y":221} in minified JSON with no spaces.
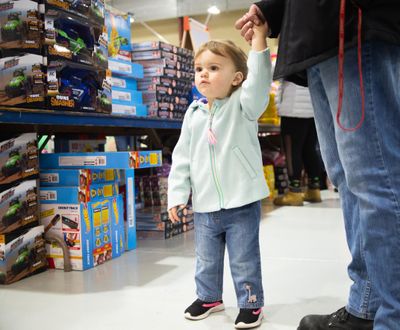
{"x":48,"y":195}
{"x":122,"y":96}
{"x":49,"y":177}
{"x":82,"y":161}
{"x":117,"y":82}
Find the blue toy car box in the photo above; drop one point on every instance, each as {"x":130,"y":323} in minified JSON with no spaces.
{"x":81,"y":178}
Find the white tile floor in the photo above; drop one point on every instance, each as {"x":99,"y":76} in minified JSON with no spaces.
{"x":304,"y":258}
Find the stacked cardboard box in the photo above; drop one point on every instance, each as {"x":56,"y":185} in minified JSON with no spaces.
{"x":168,"y":76}
{"x":126,"y":99}
{"x":153,"y":222}
{"x":85,"y":209}
{"x":22,"y":251}
{"x":151,"y":191}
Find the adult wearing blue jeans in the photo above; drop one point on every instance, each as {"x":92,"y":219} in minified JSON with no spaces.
{"x":348,"y":52}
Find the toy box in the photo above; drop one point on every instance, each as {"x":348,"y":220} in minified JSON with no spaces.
{"x":161,"y":63}
{"x":102,"y":160}
{"x":72,"y":223}
{"x":22,"y":81}
{"x":73,"y":88}
{"x":126,"y":97}
{"x":21,"y":27}
{"x":118,"y":227}
{"x":19,"y":207}
{"x":18,"y":158}
{"x":80,"y":7}
{"x":104,"y":102}
{"x":153,"y":54}
{"x":154,"y":45}
{"x":93,"y":10}
{"x":100,"y":54}
{"x":138,"y":110}
{"x":79,"y":194}
{"x":124,"y":83}
{"x":163,"y":81}
{"x":128,"y":161}
{"x":119,"y":67}
{"x":80,"y":178}
{"x":22,"y":254}
{"x":97,"y":11}
{"x":93,"y":232}
{"x":108,"y":229}
{"x":68,"y":38}
{"x":119,"y":36}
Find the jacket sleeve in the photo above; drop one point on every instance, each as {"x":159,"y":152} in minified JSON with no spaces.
{"x":273,"y":11}
{"x":254,"y":94}
{"x":179,"y":176}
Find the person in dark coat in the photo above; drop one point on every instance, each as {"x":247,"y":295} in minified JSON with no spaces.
{"x":348,"y":53}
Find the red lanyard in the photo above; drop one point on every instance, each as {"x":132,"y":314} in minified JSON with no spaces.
{"x":341,"y":63}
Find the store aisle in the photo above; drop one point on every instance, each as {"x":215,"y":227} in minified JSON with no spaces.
{"x":304,"y":259}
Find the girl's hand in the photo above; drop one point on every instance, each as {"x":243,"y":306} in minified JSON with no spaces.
{"x":173,"y":213}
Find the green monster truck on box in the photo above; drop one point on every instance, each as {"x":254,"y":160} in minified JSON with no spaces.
{"x":13,"y":164}
{"x":17,"y":85}
{"x":74,"y":44}
{"x":22,"y":261}
{"x":14,"y":212}
{"x":13,"y":28}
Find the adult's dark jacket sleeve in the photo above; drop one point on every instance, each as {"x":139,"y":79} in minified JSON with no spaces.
{"x":363,"y":3}
{"x":309,"y":30}
{"x":273,"y":11}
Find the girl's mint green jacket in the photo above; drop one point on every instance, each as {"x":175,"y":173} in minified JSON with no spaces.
{"x":228,"y":174}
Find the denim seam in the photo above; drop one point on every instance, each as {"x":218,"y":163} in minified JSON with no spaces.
{"x":221,"y":269}
{"x":354,"y":312}
{"x":385,"y":170}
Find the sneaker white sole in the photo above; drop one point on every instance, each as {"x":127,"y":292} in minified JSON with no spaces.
{"x":206,"y":314}
{"x":242,"y":325}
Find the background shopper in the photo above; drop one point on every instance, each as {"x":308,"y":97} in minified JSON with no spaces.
{"x":299,"y":140}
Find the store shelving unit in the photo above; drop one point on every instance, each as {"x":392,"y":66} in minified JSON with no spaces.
{"x":47,"y":121}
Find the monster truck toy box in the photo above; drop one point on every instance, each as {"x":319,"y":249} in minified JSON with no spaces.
{"x":21,"y":27}
{"x":68,"y":37}
{"x":22,"y":253}
{"x":18,"y":159}
{"x":22,"y":81}
{"x":19,"y":207}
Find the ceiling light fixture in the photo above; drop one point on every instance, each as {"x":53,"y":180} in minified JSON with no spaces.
{"x":213,"y":10}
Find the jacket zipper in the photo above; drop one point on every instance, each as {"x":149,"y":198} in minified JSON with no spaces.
{"x":213,"y":162}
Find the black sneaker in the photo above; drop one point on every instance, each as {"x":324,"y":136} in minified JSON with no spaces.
{"x":338,"y":320}
{"x":200,"y":309}
{"x":249,"y":318}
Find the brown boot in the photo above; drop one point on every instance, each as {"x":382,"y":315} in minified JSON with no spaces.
{"x":312,"y":195}
{"x":290,"y":199}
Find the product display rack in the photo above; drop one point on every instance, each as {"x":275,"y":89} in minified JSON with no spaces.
{"x":47,"y":121}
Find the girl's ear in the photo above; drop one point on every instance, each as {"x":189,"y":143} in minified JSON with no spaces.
{"x":238,"y":78}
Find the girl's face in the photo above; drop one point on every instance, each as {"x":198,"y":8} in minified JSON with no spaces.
{"x":215,"y":75}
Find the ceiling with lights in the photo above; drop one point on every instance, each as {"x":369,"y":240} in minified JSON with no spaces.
{"x":150,"y":10}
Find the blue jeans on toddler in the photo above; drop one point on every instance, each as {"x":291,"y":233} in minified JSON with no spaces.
{"x":365,"y":167}
{"x":238,"y":229}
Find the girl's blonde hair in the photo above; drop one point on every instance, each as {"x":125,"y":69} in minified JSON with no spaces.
{"x":227,"y":48}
